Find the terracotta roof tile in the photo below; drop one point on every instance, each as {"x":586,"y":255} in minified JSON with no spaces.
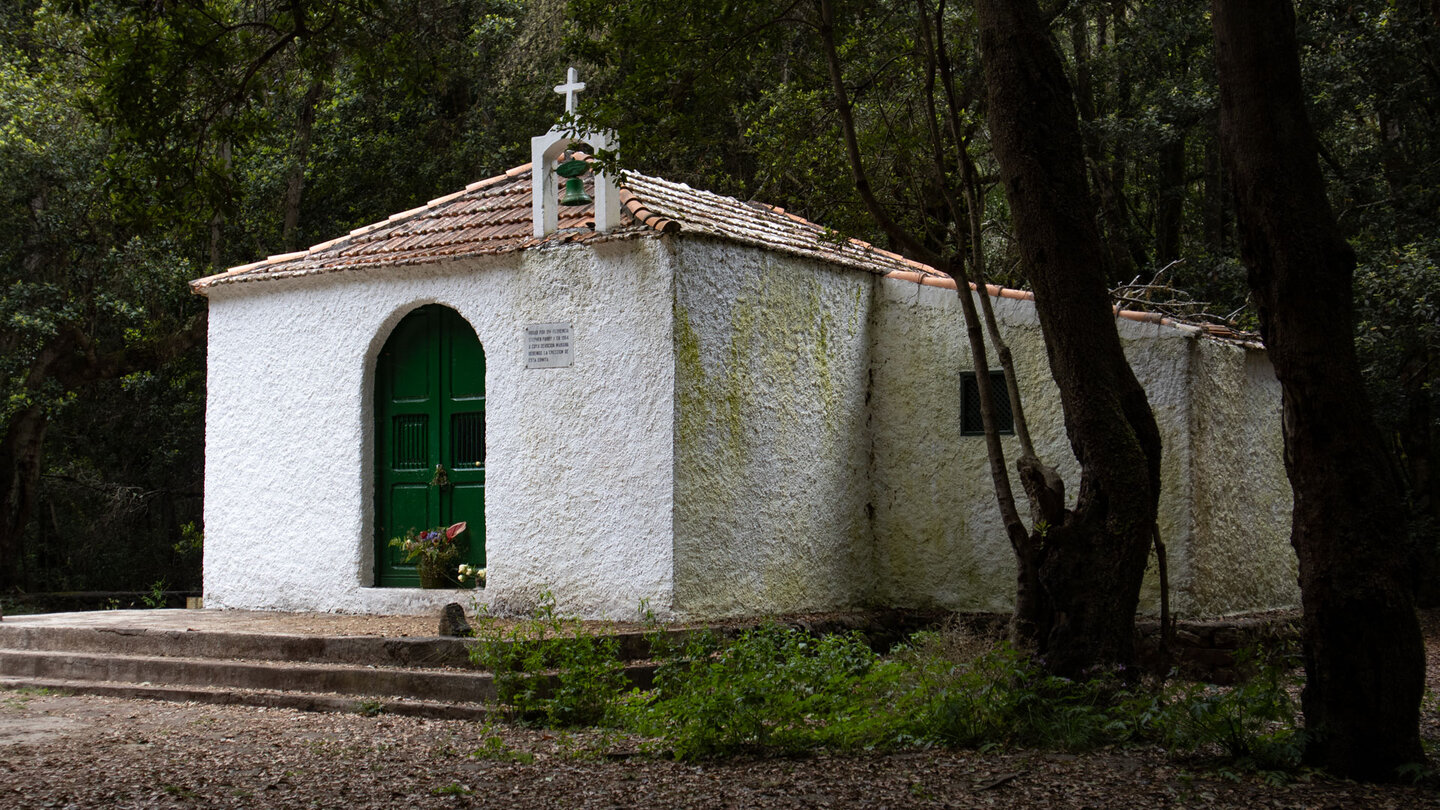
{"x":1213,"y":330}
{"x":492,"y":216}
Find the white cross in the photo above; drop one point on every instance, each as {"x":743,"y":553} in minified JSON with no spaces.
{"x":569,"y":89}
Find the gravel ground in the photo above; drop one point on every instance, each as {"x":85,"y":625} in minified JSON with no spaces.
{"x":73,"y":751}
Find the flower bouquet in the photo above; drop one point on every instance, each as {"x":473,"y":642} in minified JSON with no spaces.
{"x":432,"y":551}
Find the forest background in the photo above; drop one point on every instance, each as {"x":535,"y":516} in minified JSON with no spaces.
{"x":144,"y":144}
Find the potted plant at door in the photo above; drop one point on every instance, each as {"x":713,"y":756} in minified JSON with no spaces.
{"x":433,"y":551}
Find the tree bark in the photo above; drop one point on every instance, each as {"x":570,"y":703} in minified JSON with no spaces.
{"x":300,"y":161}
{"x":1095,"y":559}
{"x":1169,"y":200}
{"x":1364,"y":659}
{"x":20,"y":453}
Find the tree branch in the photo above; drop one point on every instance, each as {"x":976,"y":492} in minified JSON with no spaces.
{"x":901,"y":237}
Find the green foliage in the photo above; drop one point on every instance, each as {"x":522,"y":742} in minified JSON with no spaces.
{"x":1252,"y":723}
{"x":1003,"y":698}
{"x":156,"y":598}
{"x":192,"y":540}
{"x":780,"y":691}
{"x":493,"y":747}
{"x":548,"y":668}
{"x":772,"y":690}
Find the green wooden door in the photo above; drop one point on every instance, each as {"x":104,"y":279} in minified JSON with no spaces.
{"x":429,"y":413}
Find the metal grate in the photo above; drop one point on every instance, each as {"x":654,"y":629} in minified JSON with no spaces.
{"x":467,"y":440}
{"x":411,"y":442}
{"x":970,"y":422}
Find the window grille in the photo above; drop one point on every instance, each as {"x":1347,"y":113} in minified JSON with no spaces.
{"x":411,"y":442}
{"x":970,"y":422}
{"x":467,"y":440}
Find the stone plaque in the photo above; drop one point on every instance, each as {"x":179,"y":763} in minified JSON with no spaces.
{"x":548,"y":345}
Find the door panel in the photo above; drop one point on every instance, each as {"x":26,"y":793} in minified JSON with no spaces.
{"x":410,"y":503}
{"x":469,"y":499}
{"x":410,"y":380}
{"x":466,"y":356}
{"x":429,"y":410}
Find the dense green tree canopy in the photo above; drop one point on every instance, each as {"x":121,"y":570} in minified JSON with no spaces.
{"x":143,"y":145}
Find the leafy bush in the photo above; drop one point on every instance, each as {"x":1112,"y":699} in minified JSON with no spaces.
{"x":549,"y":669}
{"x":772,"y":690}
{"x":1252,"y":723}
{"x":775,"y":690}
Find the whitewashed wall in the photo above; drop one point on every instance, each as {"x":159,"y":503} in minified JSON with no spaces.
{"x":1241,"y":557}
{"x":742,"y":432}
{"x":771,"y":432}
{"x":1224,"y":507}
{"x":579,"y":462}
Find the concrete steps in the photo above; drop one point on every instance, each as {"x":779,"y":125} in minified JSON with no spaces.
{"x":426,"y":677}
{"x":262,"y":659}
{"x":299,"y":701}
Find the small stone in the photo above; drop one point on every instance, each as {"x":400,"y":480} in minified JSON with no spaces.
{"x":452,"y":621}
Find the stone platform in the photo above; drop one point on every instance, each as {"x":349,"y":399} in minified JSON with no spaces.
{"x":331,"y":662}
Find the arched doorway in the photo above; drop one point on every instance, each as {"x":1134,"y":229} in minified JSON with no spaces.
{"x":429,"y":437}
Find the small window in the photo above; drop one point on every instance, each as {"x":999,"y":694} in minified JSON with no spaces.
{"x":970,"y":422}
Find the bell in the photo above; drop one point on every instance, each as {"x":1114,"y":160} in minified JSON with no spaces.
{"x":574,"y":193}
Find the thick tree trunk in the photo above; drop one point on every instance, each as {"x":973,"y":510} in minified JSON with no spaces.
{"x":1095,"y":559}
{"x":1364,"y":660}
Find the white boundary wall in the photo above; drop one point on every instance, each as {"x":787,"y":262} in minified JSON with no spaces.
{"x":1224,"y":505}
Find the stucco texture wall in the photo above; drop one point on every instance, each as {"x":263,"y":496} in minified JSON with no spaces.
{"x":578,"y":495}
{"x":1241,"y":555}
{"x":939,"y":539}
{"x":772,"y":442}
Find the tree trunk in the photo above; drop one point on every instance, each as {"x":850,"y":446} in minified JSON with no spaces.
{"x":299,"y":161}
{"x":20,"y":454}
{"x":1364,"y":659}
{"x":1095,"y":559}
{"x":1169,"y":200}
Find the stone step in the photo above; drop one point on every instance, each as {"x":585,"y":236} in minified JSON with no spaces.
{"x":350,"y":679}
{"x":379,"y":651}
{"x":427,"y":684}
{"x":299,"y":701}
{"x":358,"y":650}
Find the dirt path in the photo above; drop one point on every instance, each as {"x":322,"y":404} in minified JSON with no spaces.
{"x":58,"y":751}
